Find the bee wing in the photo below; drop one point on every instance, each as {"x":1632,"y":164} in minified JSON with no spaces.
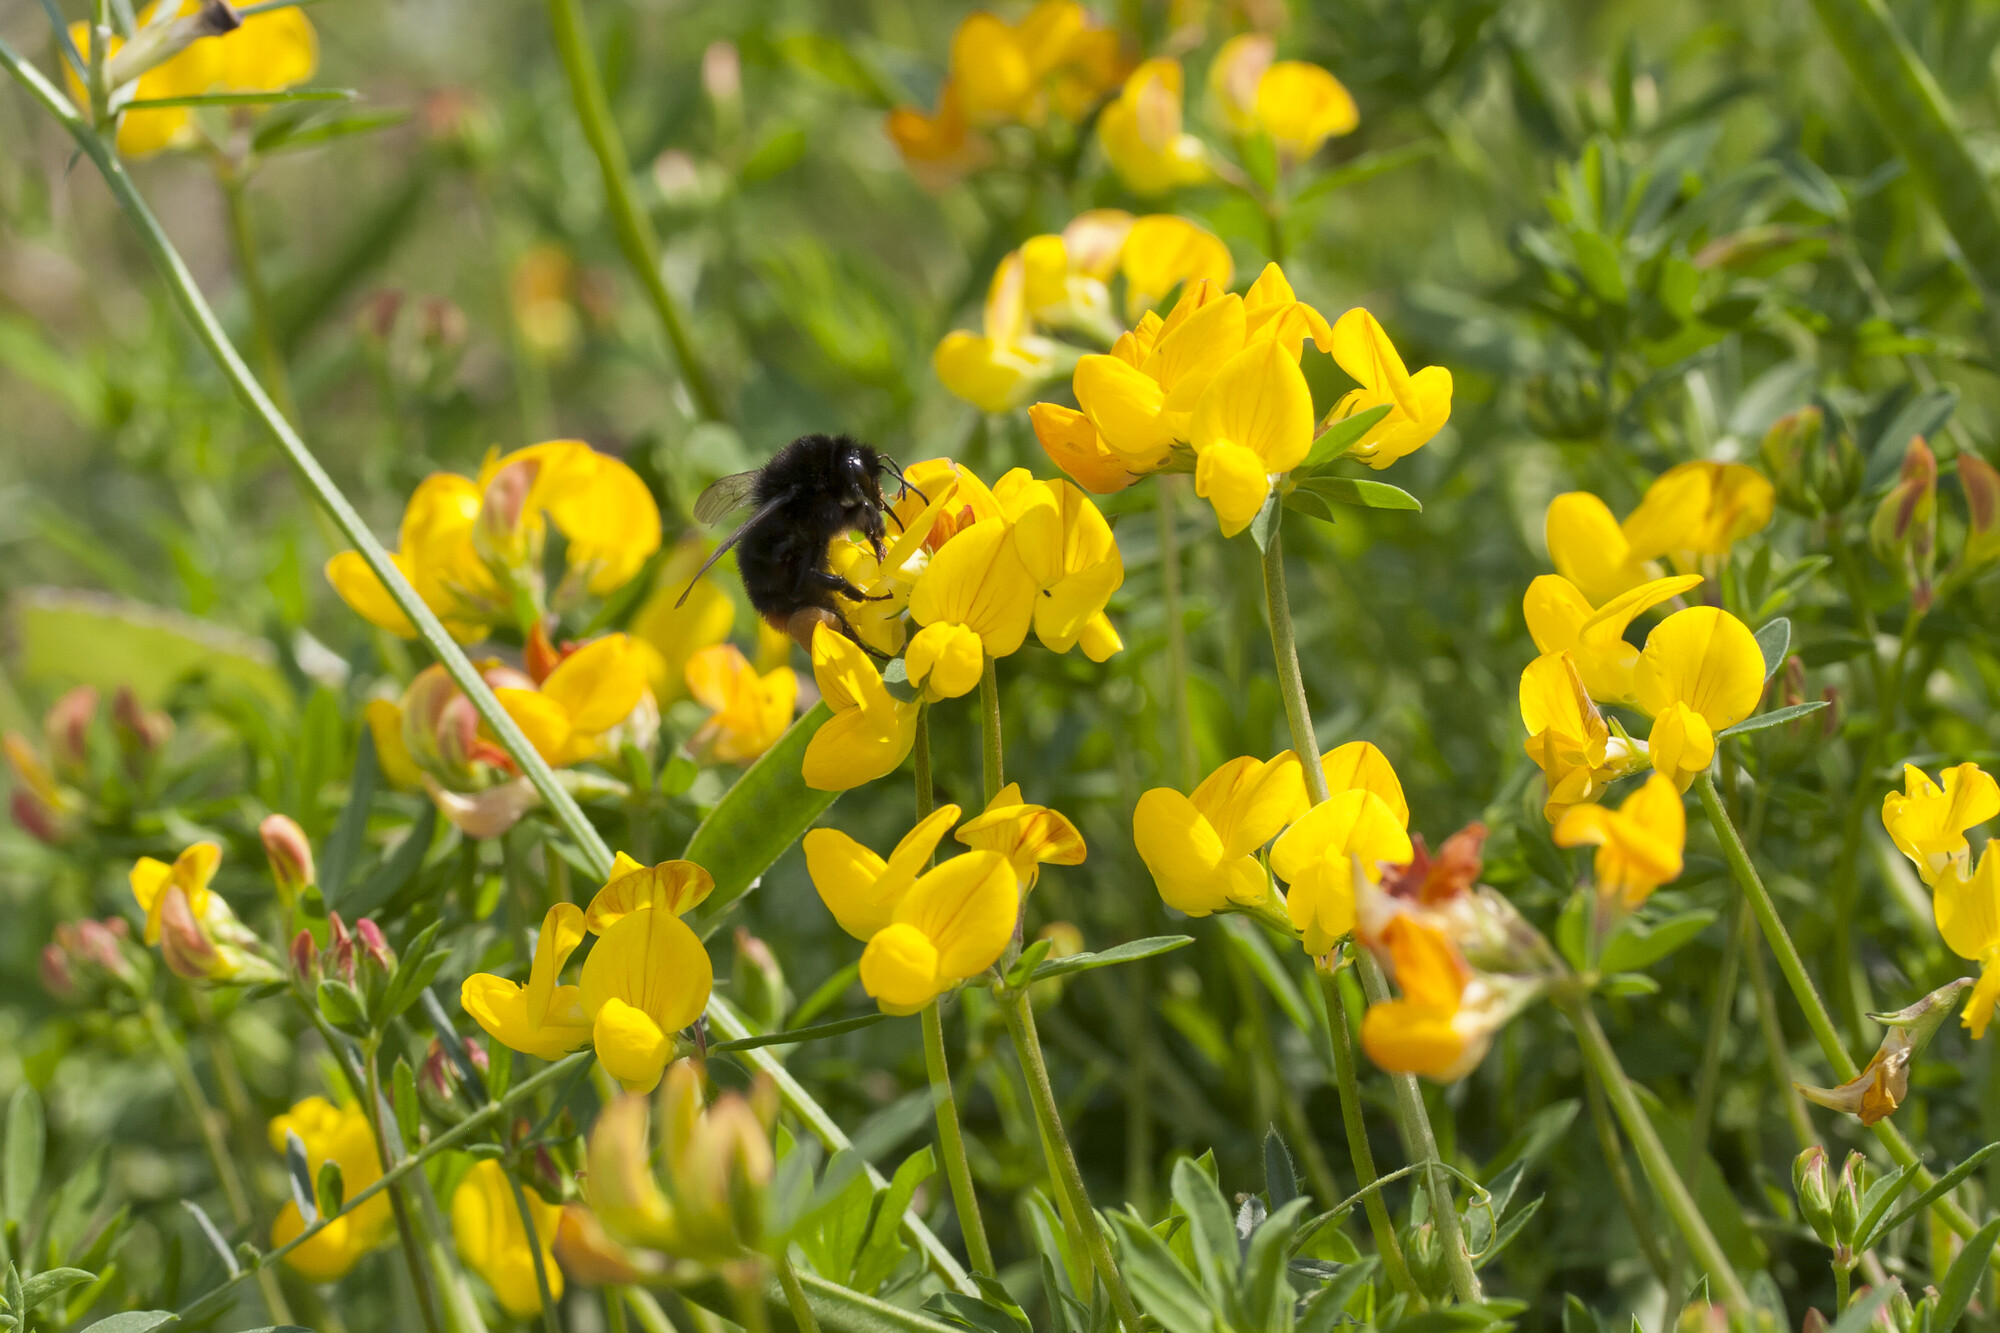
{"x":770,"y":507}
{"x":723,"y":495}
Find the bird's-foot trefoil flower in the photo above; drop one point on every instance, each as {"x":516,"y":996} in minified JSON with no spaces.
{"x":486,"y":1227}
{"x":1419,"y":404}
{"x":340,"y":1135}
{"x":975,"y":600}
{"x":543,"y":1018}
{"x":1928,"y":822}
{"x":1638,"y":845}
{"x":749,"y":712}
{"x":1363,"y":822}
{"x":198,"y":934}
{"x":871,"y":731}
{"x":648,"y":976}
{"x":1562,"y":620}
{"x":1701,"y":671}
{"x":1568,"y":737}
{"x":953,"y":923}
{"x":669,"y":629}
{"x":595,"y":698}
{"x":1029,"y":836}
{"x":1692,"y":513}
{"x":1298,"y":104}
{"x":1445,"y":1021}
{"x":862,"y":889}
{"x":1142,"y":134}
{"x":1201,"y":848}
{"x":1071,"y":556}
{"x":1968,"y":917}
{"x":1254,"y":422}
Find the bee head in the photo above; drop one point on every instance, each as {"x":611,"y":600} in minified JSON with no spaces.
{"x":859,"y":470}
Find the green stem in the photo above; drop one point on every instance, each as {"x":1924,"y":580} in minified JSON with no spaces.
{"x":795,"y":1296}
{"x":226,"y":1174}
{"x":614,"y":1311}
{"x":951,"y":1140}
{"x":1411,"y":1116}
{"x":1843,"y":1275}
{"x":1775,"y":1050}
{"x":551,"y":1321}
{"x":1068,"y":1178}
{"x":992,"y":769}
{"x":1187,"y":760}
{"x":1338,"y":1050}
{"x":399,"y":1204}
{"x":250,"y":269}
{"x":632,"y":224}
{"x":1628,"y":1192}
{"x":1653,"y":1158}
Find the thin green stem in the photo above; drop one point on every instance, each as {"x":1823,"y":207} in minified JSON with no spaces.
{"x":1653,"y":1159}
{"x":1411,"y":1117}
{"x":1187,"y":760}
{"x":1019,"y":1015}
{"x":1338,"y":1048}
{"x":250,"y":270}
{"x":614,"y":1311}
{"x":951,"y":1141}
{"x":1776,"y":1053}
{"x":1708,"y":1077}
{"x":992,"y":768}
{"x":1843,"y":1276}
{"x":551,"y":1321}
{"x":1628,"y":1192}
{"x":632,"y":224}
{"x":795,"y":1296}
{"x":406,"y":1232}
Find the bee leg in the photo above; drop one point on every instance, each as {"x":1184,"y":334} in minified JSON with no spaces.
{"x":836,"y":583}
{"x":807,"y":619}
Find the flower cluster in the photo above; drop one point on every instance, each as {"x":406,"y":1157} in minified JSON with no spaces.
{"x":1928,"y":821}
{"x":930,"y":928}
{"x":646,"y":978}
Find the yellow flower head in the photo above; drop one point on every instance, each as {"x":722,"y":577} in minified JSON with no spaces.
{"x":1069,"y":553}
{"x":1142,"y":136}
{"x":954,"y":923}
{"x":1437,"y":1028}
{"x":1027,"y":835}
{"x":542,"y":1018}
{"x":1562,"y":620}
{"x":974,"y":600}
{"x":198,"y":934}
{"x":1419,"y":404}
{"x":870,"y":731}
{"x":591,"y":692}
{"x":1254,"y":420}
{"x":1638,"y":844}
{"x":750,"y":712}
{"x":1299,"y":105}
{"x":957,"y":500}
{"x":486,"y":1227}
{"x":997,"y":369}
{"x":1590,"y":549}
{"x":672,"y":886}
{"x":341,"y":1135}
{"x":647,"y":978}
{"x":878,"y":623}
{"x":189,"y":874}
{"x":1701,"y":671}
{"x":1929,"y":822}
{"x":1163,"y":251}
{"x":466,"y":543}
{"x":1567,"y":736}
{"x":1968,"y":917}
{"x":1365,"y":818}
{"x":938,"y":147}
{"x":859,"y":887}
{"x":1272,"y":310}
{"x":665,"y":635}
{"x":1202,"y":848}
{"x":1689,"y":512}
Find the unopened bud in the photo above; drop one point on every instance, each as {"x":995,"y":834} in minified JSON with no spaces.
{"x":376,"y":320}
{"x":305,"y":956}
{"x":373,"y":947}
{"x":290,"y":854}
{"x":1980,"y":481}
{"x":340,"y":948}
{"x":1847,"y":1199}
{"x":1809,"y":1182}
{"x":1791,"y":456}
{"x":67,"y":729}
{"x":38,"y":820}
{"x":722,"y":72}
{"x":57,"y":979}
{"x":440,"y":1080}
{"x":538,"y":654}
{"x":1904,"y":528}
{"x":184,"y":943}
{"x":442,"y":325}
{"x":502,"y":534}
{"x":758,"y":981}
{"x":142,"y":732}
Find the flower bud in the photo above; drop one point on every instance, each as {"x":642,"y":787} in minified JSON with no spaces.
{"x":1809,"y":1183}
{"x":758,"y":981}
{"x":85,"y":956}
{"x":375,"y":321}
{"x":587,"y":1252}
{"x":1904,"y":528}
{"x":439,"y":1081}
{"x":1792,"y":458}
{"x":304,"y":956}
{"x":722,"y":72}
{"x":291,"y":856}
{"x":441,"y":324}
{"x":38,"y":821}
{"x":188,"y":949}
{"x":57,"y":978}
{"x":1901,"y":1312}
{"x":42,"y":807}
{"x":1980,"y":481}
{"x":1847,"y":1200}
{"x":66,"y":728}
{"x":1840,"y":473}
{"x":340,"y":949}
{"x":142,"y":732}
{"x":374,"y":947}
{"x":539,"y":655}
{"x":505,"y":533}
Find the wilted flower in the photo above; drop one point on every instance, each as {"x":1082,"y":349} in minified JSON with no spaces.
{"x":486,"y":1227}
{"x":1874,"y":1094}
{"x":86,"y":955}
{"x":1444,"y":1023}
{"x":42,"y":807}
{"x":341,"y":1135}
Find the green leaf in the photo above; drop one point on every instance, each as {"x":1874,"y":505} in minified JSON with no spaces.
{"x":1860,"y":1316}
{"x":1597,"y":260}
{"x":134,"y":1321}
{"x":1638,"y":945}
{"x":27,"y":1140}
{"x":764,"y":813}
{"x":1164,"y":1289}
{"x":334,"y":127}
{"x":52,"y":1282}
{"x":1254,"y":946}
{"x":980,"y":1315}
{"x":245,"y":99}
{"x":1264,"y":1288}
{"x":1366,"y":168}
{"x":1327,"y":1309}
{"x":797,"y":1035}
{"x":213,"y":1235}
{"x":299,"y":1173}
{"x":1031,"y":958}
{"x":1359,"y":493}
{"x":340,"y":1005}
{"x":1775,"y":639}
{"x":884,"y":1248}
{"x":1963,"y":1277}
{"x":1281,"y":1181}
{"x":397,"y":869}
{"x":341,"y":852}
{"x":332,"y":1188}
{"x":403,"y":1092}
{"x":1777,"y":717}
{"x":1131,"y":952}
{"x":780,"y":151}
{"x":1944,"y":1185}
{"x":1338,"y":438}
{"x":1212,"y":1230}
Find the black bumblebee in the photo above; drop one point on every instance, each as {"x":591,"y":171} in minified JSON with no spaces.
{"x":813,"y":490}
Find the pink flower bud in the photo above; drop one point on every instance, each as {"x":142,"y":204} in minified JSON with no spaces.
{"x":442,"y":324}
{"x":67,"y":727}
{"x":373,"y":946}
{"x":142,"y":733}
{"x":291,"y":856}
{"x":376,"y":320}
{"x":56,"y":976}
{"x":186,"y":946}
{"x":340,"y":947}
{"x":305,"y":955}
{"x":1980,"y":481}
{"x":722,"y":72}
{"x":35,"y":819}
{"x":502,"y":534}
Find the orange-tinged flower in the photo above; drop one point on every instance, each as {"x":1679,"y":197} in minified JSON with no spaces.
{"x":1638,"y":844}
{"x":1072,"y":444}
{"x":1430,"y":1030}
{"x":1419,"y":404}
{"x":1929,"y":822}
{"x":1029,"y":836}
{"x":1141,"y":132}
{"x":870,"y":732}
{"x":340,"y":1135}
{"x":487,"y":1230}
{"x":1701,"y":671}
{"x":749,"y":712}
{"x":1202,"y":848}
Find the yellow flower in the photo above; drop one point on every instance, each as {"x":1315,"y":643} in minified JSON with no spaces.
{"x":1027,"y":835}
{"x":1968,"y":916}
{"x":878,"y":623}
{"x":1563,"y":621}
{"x":467,"y":545}
{"x":1590,"y":549}
{"x":199,"y":936}
{"x":954,"y":923}
{"x":1567,"y":736}
{"x":937,"y":147}
{"x":1360,"y":765}
{"x":1163,"y":251}
{"x":542,"y":1018}
{"x":665,"y":635}
{"x":1928,"y":823}
{"x":1316,"y":855}
{"x":1299,"y":105}
{"x":589,"y":694}
{"x":859,"y":887}
{"x":1202,"y":848}
{"x":1142,"y":136}
{"x":1433,"y":1029}
{"x":1069,"y":553}
{"x":1419,"y":404}
{"x":1072,"y":444}
{"x":996,"y":369}
{"x":958,"y":499}
{"x":274,"y":50}
{"x":750,"y":712}
{"x":1701,"y":671}
{"x":870,"y":731}
{"x":1254,"y":421}
{"x":392,"y":754}
{"x":974,"y":600}
{"x":189,"y":875}
{"x":1272,"y":310}
{"x":339,"y":1135}
{"x":1638,"y":844}
{"x":647,"y":978}
{"x":1691,"y":511}
{"x":672,"y":886}
{"x":486,"y":1227}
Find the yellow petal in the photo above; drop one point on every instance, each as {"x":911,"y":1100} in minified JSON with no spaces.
{"x":671,"y":886}
{"x":1354,"y":823}
{"x":632,"y":1046}
{"x":675,"y":634}
{"x":1072,"y":444}
{"x":1301,"y":106}
{"x":562,"y":930}
{"x":275,"y":49}
{"x":1163,"y":251}
{"x":1232,"y":478}
{"x":1408,"y":1038}
{"x":1671,"y":515}
{"x":1189,"y":865}
{"x":989,"y":69}
{"x":978,"y":580}
{"x":599,"y":684}
{"x":1968,"y":909}
{"x":946,"y":660}
{"x":967,"y":908}
{"x":1588,"y":548}
{"x":653,"y":962}
{"x":1681,"y":744}
{"x":1705,"y":658}
{"x":1258,"y":400}
{"x":149,"y":879}
{"x":542,"y":720}
{"x":1248,"y":801}
{"x":1359,"y":765}
{"x":357,"y":585}
{"x":487,"y":1230}
{"x":385,"y":728}
{"x":501,"y":1008}
{"x":1124,"y":405}
{"x":899,"y":969}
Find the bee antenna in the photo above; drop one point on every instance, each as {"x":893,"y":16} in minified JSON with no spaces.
{"x":902,"y":480}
